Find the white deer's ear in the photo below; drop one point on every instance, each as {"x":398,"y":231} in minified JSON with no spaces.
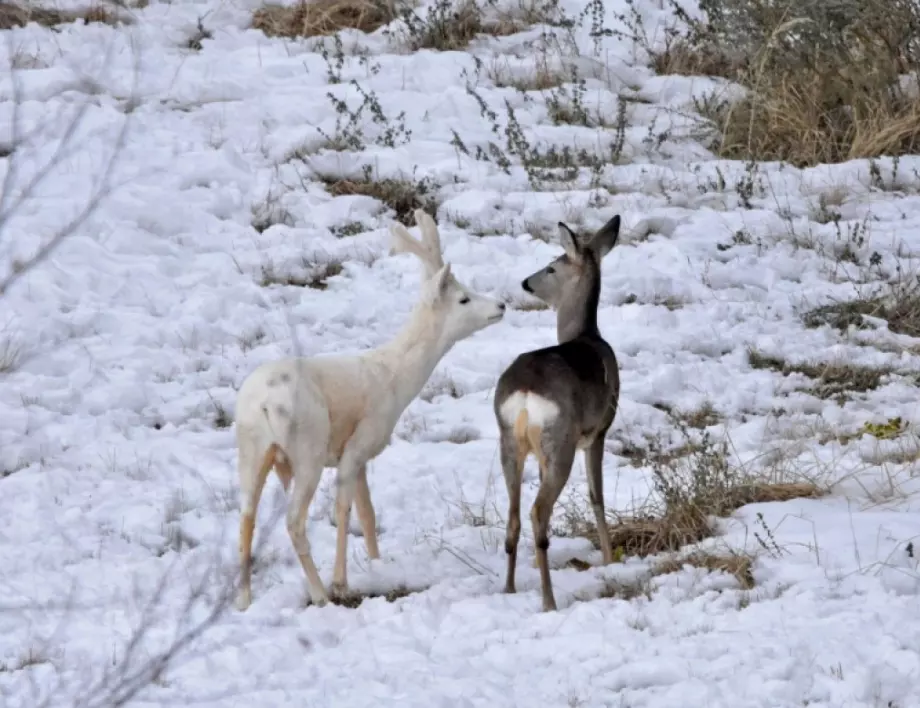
{"x":401,"y":240}
{"x":443,"y":279}
{"x":569,"y":241}
{"x":438,"y":284}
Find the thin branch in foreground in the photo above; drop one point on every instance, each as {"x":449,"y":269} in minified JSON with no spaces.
{"x":10,"y":206}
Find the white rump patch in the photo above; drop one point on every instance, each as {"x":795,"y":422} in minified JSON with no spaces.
{"x":540,"y":411}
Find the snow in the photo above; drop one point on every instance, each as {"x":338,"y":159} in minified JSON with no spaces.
{"x":136,"y":334}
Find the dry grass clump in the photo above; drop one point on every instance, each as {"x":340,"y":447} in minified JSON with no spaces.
{"x":824,"y":80}
{"x":738,"y":564}
{"x":11,"y":354}
{"x":313,"y":275}
{"x":18,"y":15}
{"x":692,"y":488}
{"x":700,"y":417}
{"x":323,"y":17}
{"x":450,"y":25}
{"x":899,"y":307}
{"x":542,"y":77}
{"x":402,"y":196}
{"x":354,"y":599}
{"x":832,"y":379}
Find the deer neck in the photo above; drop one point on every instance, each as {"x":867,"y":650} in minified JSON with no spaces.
{"x":414,"y":352}
{"x":577,"y":312}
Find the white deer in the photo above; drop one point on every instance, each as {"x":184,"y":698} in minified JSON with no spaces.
{"x":299,"y":415}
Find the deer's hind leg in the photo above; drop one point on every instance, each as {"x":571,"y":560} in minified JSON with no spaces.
{"x":366,"y":515}
{"x":514,"y":450}
{"x":307,"y":474}
{"x":253,"y":472}
{"x":556,"y":461}
{"x":594,"y":459}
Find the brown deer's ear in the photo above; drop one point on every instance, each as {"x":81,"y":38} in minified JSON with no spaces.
{"x":569,"y":241}
{"x":606,"y":237}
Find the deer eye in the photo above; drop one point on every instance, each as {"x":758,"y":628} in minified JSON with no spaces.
{"x":550,"y":270}
{"x":464,"y":300}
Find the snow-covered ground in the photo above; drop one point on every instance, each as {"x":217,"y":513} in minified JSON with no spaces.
{"x":125,"y":349}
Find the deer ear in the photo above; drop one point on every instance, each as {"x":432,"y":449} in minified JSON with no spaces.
{"x":569,"y":241}
{"x":438,"y":284}
{"x":606,"y":237}
{"x":401,"y":240}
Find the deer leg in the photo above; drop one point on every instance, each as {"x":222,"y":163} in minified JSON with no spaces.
{"x":284,"y":472}
{"x":253,"y":473}
{"x":594,"y":459}
{"x":557,"y":465}
{"x":366,"y":514}
{"x":514,"y":451}
{"x":306,"y":480}
{"x":343,"y":501}
{"x":351,"y":463}
{"x":533,"y":435}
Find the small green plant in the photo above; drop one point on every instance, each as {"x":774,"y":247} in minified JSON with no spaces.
{"x":890,"y":429}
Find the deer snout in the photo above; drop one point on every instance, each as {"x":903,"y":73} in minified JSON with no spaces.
{"x":500,"y":306}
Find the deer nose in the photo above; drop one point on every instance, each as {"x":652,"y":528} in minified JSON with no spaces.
{"x":526,"y":286}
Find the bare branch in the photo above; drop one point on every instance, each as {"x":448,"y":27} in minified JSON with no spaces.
{"x":10,"y":206}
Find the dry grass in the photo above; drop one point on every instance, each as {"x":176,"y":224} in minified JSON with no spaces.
{"x":18,"y":15}
{"x":541,"y":77}
{"x":739,"y":565}
{"x":311,"y":275}
{"x":353,"y":600}
{"x":797,"y":124}
{"x":701,"y":417}
{"x":270,"y":213}
{"x":450,"y":25}
{"x":823,"y":80}
{"x":11,"y":354}
{"x":734,"y":563}
{"x":689,"y":521}
{"x":694,"y":484}
{"x":323,"y":17}
{"x":832,"y":379}
{"x":402,"y":196}
{"x":899,"y":307}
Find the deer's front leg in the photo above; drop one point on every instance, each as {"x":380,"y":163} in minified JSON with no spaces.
{"x":343,"y":500}
{"x":351,"y":466}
